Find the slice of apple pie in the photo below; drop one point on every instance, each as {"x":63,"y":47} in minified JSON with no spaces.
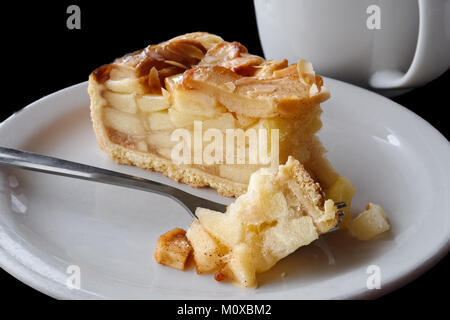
{"x":198,"y":79}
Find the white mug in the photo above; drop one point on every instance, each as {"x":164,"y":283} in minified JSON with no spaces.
{"x":382,"y":44}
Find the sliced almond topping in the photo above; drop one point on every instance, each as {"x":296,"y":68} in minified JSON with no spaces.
{"x":154,"y":83}
{"x":230,"y":85}
{"x":313,"y":90}
{"x":306,"y":72}
{"x":233,"y":56}
{"x":176,"y":64}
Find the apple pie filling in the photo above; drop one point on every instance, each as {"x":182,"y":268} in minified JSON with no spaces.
{"x":282,"y":210}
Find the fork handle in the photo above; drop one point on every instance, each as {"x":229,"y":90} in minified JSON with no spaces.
{"x":41,"y":163}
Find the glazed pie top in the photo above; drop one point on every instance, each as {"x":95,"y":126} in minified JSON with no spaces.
{"x":245,"y":84}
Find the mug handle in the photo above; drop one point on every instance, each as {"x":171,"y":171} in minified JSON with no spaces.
{"x":432,"y":55}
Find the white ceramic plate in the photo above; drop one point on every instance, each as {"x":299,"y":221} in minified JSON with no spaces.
{"x":48,"y":223}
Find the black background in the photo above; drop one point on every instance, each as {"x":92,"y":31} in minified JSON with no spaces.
{"x":40,"y":55}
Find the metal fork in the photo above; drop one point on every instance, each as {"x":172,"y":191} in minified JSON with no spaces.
{"x":36,"y":162}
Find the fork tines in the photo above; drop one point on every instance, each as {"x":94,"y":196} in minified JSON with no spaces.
{"x":340,"y":213}
{"x":341,"y":205}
